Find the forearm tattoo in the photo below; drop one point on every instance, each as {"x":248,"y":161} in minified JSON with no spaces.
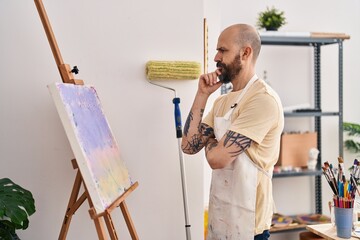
{"x":201,"y":115}
{"x":205,"y":130}
{"x":191,"y":118}
{"x":187,"y":123}
{"x":194,"y":144}
{"x":198,"y":141}
{"x":211,"y":144}
{"x":240,"y":141}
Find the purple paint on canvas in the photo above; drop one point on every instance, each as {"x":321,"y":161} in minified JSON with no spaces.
{"x":98,"y":146}
{"x":86,"y":117}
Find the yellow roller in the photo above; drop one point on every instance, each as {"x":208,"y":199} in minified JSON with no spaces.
{"x":172,"y":70}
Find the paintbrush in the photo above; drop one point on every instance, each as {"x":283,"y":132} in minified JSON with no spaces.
{"x":356,"y":171}
{"x":329,"y":180}
{"x":341,"y":165}
{"x":354,"y":176}
{"x":354,"y":186}
{"x":328,"y":168}
{"x":333,"y":171}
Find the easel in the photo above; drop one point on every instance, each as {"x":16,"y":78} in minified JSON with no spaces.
{"x":75,"y":202}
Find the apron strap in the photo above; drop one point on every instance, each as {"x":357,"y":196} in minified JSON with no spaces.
{"x":268,"y":173}
{"x":241,"y":95}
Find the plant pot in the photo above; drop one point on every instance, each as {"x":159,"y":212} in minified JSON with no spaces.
{"x":272,"y":29}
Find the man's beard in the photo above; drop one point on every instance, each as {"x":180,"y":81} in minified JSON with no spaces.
{"x":229,"y":72}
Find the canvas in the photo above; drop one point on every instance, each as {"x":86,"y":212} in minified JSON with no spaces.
{"x":94,"y":146}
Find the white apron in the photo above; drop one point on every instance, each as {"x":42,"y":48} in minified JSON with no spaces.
{"x":233,"y":190}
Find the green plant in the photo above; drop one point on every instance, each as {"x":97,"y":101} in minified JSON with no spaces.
{"x":353,"y":130}
{"x":271,"y":19}
{"x":16,"y":205}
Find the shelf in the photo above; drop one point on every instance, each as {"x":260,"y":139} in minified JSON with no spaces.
{"x":304,"y":172}
{"x":296,"y":41}
{"x":310,"y":114}
{"x":301,"y":38}
{"x":315,"y":40}
{"x":296,"y":227}
{"x":297,"y":223}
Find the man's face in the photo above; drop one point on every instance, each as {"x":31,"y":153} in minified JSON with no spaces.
{"x":228,"y":59}
{"x":229,"y":71}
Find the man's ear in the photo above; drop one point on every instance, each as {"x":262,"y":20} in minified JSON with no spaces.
{"x":245,"y":53}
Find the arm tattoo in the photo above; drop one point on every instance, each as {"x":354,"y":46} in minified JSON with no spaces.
{"x":205,"y":130}
{"x":198,"y":141}
{"x":211,"y":145}
{"x":187,"y":123}
{"x":189,"y":119}
{"x":240,"y":141}
{"x":195,"y":144}
{"x":201,"y":113}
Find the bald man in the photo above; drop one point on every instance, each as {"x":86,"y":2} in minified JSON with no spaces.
{"x":241,"y":136}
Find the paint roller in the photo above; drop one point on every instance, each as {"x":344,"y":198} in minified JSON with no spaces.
{"x":175,"y":70}
{"x":172,"y":70}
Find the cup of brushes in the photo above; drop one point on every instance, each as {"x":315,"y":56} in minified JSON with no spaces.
{"x":344,"y":194}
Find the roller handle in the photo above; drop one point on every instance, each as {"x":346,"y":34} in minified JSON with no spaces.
{"x":177,"y":113}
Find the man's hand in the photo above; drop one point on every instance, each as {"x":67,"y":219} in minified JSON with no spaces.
{"x":208,"y":82}
{"x":197,"y":134}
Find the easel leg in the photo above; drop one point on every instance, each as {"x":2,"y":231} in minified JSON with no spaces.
{"x":75,"y":203}
{"x":128,"y":221}
{"x":70,"y":208}
{"x":99,"y":224}
{"x":110,"y":227}
{"x":100,"y":228}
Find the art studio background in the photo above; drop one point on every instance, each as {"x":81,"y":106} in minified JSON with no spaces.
{"x":110,"y":42}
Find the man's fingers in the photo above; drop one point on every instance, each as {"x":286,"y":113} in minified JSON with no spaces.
{"x":218,"y":72}
{"x":210,"y":78}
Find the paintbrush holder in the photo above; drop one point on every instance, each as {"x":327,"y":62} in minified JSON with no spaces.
{"x":343,"y":222}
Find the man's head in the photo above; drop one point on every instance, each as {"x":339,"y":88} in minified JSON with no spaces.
{"x":238,"y":48}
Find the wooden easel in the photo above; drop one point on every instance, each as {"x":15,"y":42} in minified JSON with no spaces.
{"x":65,"y":72}
{"x":75,"y":201}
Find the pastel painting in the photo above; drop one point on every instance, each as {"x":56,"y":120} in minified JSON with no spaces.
{"x":94,"y":146}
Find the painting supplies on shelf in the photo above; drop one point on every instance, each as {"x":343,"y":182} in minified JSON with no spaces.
{"x":344,"y":190}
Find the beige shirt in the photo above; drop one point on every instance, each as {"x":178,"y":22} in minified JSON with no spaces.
{"x":259,"y":116}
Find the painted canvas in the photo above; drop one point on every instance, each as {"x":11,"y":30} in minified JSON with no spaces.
{"x":94,"y":146}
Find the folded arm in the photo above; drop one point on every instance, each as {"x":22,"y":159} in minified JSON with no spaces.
{"x":221,"y":153}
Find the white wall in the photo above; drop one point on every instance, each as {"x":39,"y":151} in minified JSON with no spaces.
{"x":290,"y":72}
{"x":110,"y":42}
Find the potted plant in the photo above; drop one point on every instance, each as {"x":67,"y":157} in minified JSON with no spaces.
{"x":16,"y":205}
{"x":353,"y":131}
{"x":271,"y":19}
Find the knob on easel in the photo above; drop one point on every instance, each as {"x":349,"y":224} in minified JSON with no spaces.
{"x":75,"y":70}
